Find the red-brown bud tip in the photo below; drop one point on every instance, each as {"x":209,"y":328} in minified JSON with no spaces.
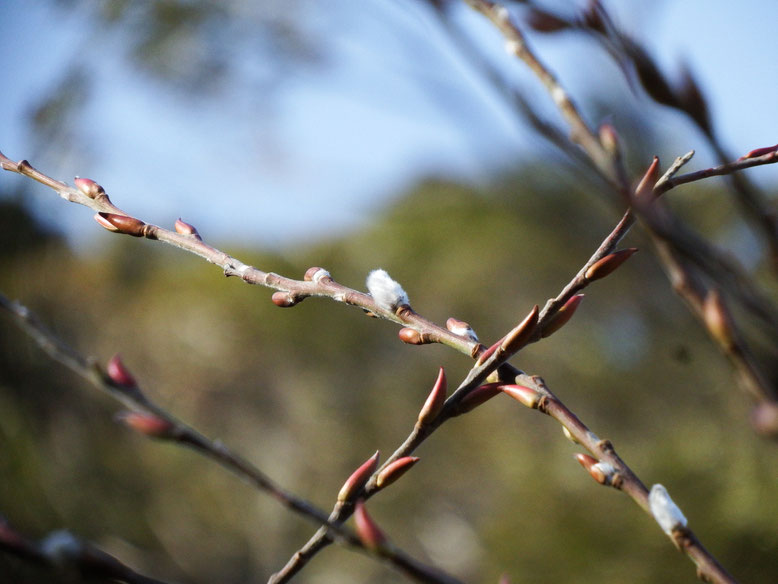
{"x":522,"y":333}
{"x":123,"y":224}
{"x":608,"y":264}
{"x":358,"y":478}
{"x":718,"y":319}
{"x":757,"y":152}
{"x":645,"y":188}
{"x":394,"y":471}
{"x":89,"y":187}
{"x":435,"y":400}
{"x":283,"y":299}
{"x":478,"y":396}
{"x":104,"y":223}
{"x":562,"y":316}
{"x":147,"y":424}
{"x":411,"y":336}
{"x":368,"y":531}
{"x":185,"y":228}
{"x":119,"y":374}
{"x":524,"y":395}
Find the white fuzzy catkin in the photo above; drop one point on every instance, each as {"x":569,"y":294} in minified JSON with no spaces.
{"x":664,"y":510}
{"x":386,"y":292}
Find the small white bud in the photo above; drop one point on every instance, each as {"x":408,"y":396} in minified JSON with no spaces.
{"x":664,"y":510}
{"x":386,"y":292}
{"x":606,"y":468}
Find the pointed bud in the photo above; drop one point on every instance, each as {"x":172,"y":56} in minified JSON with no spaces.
{"x":367,"y":529}
{"x":435,"y":400}
{"x":283,"y":299}
{"x":119,"y":374}
{"x":461,"y":328}
{"x":89,"y":187}
{"x":412,"y":336}
{"x":478,"y":396}
{"x":545,"y":22}
{"x":147,"y":424}
{"x":645,"y":189}
{"x":609,"y":138}
{"x":185,"y":228}
{"x":562,"y":316}
{"x":358,"y":479}
{"x":602,"y":472}
{"x":315,"y":274}
{"x":757,"y":152}
{"x":524,"y":395}
{"x":608,"y":264}
{"x":394,"y":471}
{"x":522,"y":333}
{"x":718,"y":319}
{"x":123,"y":224}
{"x":650,"y":77}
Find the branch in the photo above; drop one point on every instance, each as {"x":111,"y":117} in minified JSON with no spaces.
{"x":153,"y":421}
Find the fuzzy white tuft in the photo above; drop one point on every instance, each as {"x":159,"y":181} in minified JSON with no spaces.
{"x":606,"y":468}
{"x":386,"y":292}
{"x":664,"y":510}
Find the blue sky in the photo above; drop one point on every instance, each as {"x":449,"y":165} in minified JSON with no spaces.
{"x":336,"y":143}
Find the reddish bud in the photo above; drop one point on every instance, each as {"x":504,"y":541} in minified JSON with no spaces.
{"x":757,"y":152}
{"x":478,"y":396}
{"x":395,"y":470}
{"x":645,"y":188}
{"x":119,"y":374}
{"x":524,"y":395}
{"x":435,"y":400}
{"x":123,"y":224}
{"x":358,"y":478}
{"x":562,"y":316}
{"x":185,"y":228}
{"x":718,"y":319}
{"x":89,"y":187}
{"x":602,"y":472}
{"x":367,"y":529}
{"x":147,"y":424}
{"x":545,"y":22}
{"x":104,"y":223}
{"x":411,"y":336}
{"x":521,"y":334}
{"x":608,"y":264}
{"x":315,"y":274}
{"x":283,"y":299}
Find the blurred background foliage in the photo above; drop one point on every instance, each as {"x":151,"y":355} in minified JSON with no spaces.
{"x":308,"y":393}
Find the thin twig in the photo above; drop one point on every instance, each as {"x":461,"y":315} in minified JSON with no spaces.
{"x":162,"y":425}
